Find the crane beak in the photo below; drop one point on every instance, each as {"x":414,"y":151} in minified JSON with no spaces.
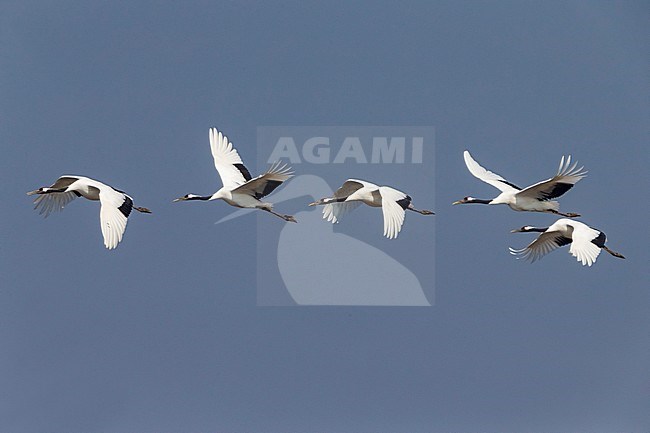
{"x":36,"y":191}
{"x":179,"y":199}
{"x":516,"y":231}
{"x":458,"y":202}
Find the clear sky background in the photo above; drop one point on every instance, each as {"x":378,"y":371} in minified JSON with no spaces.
{"x":164,"y":335}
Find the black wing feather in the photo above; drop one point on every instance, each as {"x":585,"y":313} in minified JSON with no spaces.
{"x":558,"y":190}
{"x":600,"y":240}
{"x":405,"y":202}
{"x":244,"y":171}
{"x":126,"y":207}
{"x":268,"y":188}
{"x":509,"y":184}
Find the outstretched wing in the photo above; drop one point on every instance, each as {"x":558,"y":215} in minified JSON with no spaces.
{"x":350,"y":186}
{"x":567,"y":176}
{"x":227,"y":161}
{"x":393,"y":210}
{"x":582,"y":247}
{"x":487,"y":176}
{"x":335,"y":211}
{"x":544,"y":244}
{"x":264,"y":185}
{"x":115,"y":209}
{"x":53,"y":202}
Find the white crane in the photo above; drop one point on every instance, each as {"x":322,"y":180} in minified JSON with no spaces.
{"x":353,"y":192}
{"x":535,"y":198}
{"x":586,"y":242}
{"x":239,"y":188}
{"x":115,"y":205}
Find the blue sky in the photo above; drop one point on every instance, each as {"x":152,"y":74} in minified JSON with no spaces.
{"x":164,"y":334}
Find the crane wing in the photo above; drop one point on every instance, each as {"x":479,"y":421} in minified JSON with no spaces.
{"x":487,"y":176}
{"x":227,"y":161}
{"x":567,"y":176}
{"x":53,"y":202}
{"x":544,"y":244}
{"x":350,"y":186}
{"x":393,"y":211}
{"x":335,"y":211}
{"x":582,"y":248}
{"x":115,"y":209}
{"x":264,"y":185}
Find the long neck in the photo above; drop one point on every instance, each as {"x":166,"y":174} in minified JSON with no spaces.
{"x":328,"y":200}
{"x":537,"y":229}
{"x":478,"y":201}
